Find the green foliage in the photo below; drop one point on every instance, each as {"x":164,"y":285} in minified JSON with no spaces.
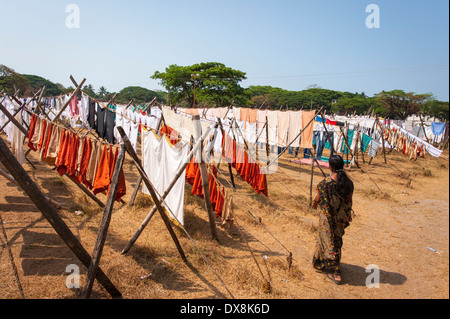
{"x":313,"y":97}
{"x":397,"y":104}
{"x":214,"y":83}
{"x":10,"y":79}
{"x":37,"y":82}
{"x":140,"y":95}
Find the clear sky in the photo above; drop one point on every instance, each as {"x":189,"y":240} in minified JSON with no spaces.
{"x":286,"y":44}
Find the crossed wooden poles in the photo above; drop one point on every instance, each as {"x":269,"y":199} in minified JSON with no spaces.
{"x":22,"y":178}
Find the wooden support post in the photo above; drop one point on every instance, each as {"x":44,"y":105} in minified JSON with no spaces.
{"x":86,"y":191}
{"x":12,"y":180}
{"x":52,"y":216}
{"x":312,"y":179}
{"x":104,"y":225}
{"x":139,"y":181}
{"x":12,"y":119}
{"x":348,"y":147}
{"x":79,"y":185}
{"x":74,"y":93}
{"x":229,"y":164}
{"x":137,"y":162}
{"x":423,"y":128}
{"x":382,"y":140}
{"x":328,"y":134}
{"x":204,"y":174}
{"x":166,"y":192}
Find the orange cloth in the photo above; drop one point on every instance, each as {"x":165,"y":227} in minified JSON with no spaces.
{"x":60,"y":160}
{"x":31,"y":131}
{"x":307,"y":134}
{"x":252,"y":115}
{"x":191,"y":170}
{"x":85,"y":157}
{"x":41,"y":138}
{"x":121,"y":185}
{"x":102,"y":176}
{"x":46,"y":142}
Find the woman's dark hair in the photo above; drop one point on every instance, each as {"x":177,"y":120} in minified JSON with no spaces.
{"x":345,"y":184}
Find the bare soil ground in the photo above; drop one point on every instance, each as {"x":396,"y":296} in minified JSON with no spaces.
{"x":402,"y":210}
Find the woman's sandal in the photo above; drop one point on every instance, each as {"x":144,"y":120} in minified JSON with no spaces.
{"x":331,"y":277}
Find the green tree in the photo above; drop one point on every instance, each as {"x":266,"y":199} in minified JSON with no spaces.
{"x":89,"y":90}
{"x":37,"y":82}
{"x":140,"y":95}
{"x":397,"y":104}
{"x":10,"y":79}
{"x":102,"y":93}
{"x":215,"y":84}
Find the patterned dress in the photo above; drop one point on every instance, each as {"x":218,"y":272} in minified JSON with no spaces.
{"x":334,"y":217}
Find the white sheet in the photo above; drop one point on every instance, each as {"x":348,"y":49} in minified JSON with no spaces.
{"x":161,"y":162}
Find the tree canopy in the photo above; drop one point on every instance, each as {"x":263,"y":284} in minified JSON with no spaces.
{"x":219,"y":85}
{"x":212,"y":84}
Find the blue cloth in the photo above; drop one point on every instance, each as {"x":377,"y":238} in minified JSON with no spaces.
{"x":319,"y":119}
{"x":437,"y":128}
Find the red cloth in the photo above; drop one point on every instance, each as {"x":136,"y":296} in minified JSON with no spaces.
{"x":31,"y":131}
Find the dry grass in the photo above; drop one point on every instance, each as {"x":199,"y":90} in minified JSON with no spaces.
{"x":381,"y":231}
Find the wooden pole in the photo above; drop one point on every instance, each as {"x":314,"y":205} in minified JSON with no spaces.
{"x":166,"y":192}
{"x":204,"y":175}
{"x":423,"y":128}
{"x":12,"y":119}
{"x":328,"y":135}
{"x":12,"y":180}
{"x":74,"y":93}
{"x":292,"y":141}
{"x":104,"y":225}
{"x":139,"y":181}
{"x":229,"y":164}
{"x":137,"y":162}
{"x":52,"y":216}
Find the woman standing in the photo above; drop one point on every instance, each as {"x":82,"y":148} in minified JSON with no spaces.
{"x":334,"y":195}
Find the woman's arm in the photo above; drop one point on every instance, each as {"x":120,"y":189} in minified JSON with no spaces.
{"x":316,"y":201}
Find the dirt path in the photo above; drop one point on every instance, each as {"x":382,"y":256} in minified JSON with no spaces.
{"x":397,"y":220}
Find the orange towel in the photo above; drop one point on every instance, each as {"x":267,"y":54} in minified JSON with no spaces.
{"x":102,"y":176}
{"x":32,"y":131}
{"x":41,"y":138}
{"x":85,"y":157}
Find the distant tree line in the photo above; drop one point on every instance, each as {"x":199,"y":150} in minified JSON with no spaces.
{"x":27,"y":84}
{"x":213,"y":84}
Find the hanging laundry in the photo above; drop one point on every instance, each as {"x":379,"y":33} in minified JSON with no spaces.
{"x":109,"y":126}
{"x":437,"y":128}
{"x":74,"y":111}
{"x":283,"y":125}
{"x":161,"y":161}
{"x":307,"y":134}
{"x":91,"y":114}
{"x":295,"y":126}
{"x":101,"y":118}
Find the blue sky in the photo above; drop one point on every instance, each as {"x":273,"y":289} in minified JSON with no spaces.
{"x":287,"y":44}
